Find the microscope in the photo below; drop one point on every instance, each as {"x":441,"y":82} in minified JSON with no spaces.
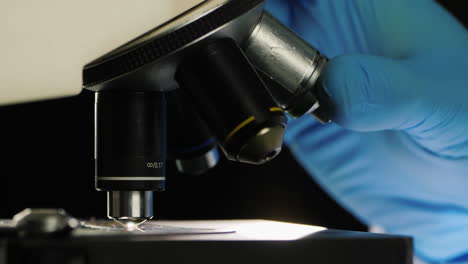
{"x":218,"y":79}
{"x":221,"y":75}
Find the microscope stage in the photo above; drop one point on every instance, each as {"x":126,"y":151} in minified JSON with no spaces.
{"x":214,"y":241}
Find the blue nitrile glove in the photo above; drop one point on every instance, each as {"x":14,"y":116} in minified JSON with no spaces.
{"x":397,"y":154}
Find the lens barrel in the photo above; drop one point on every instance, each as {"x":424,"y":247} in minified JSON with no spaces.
{"x":191,"y":144}
{"x":233,"y":101}
{"x":130,"y":149}
{"x":289,"y":66}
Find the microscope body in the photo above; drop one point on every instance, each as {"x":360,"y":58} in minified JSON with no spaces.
{"x":219,"y":76}
{"x":216,"y":78}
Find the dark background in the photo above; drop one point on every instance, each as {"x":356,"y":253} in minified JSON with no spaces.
{"x":47,"y":161}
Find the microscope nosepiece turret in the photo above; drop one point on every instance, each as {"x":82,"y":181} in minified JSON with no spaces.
{"x":239,"y":70}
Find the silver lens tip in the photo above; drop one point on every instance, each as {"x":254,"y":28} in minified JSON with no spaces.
{"x":130,"y":206}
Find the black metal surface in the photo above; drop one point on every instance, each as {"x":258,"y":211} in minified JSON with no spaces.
{"x":130,"y":139}
{"x":189,"y":139}
{"x":228,"y":91}
{"x":188,"y":135}
{"x":320,"y":247}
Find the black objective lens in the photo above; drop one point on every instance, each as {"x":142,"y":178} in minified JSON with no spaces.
{"x":233,"y":101}
{"x":191,"y":144}
{"x":130,"y":135}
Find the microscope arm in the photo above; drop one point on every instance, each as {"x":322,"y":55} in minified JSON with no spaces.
{"x":45,"y":44}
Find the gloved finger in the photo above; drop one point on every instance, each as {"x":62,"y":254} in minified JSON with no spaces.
{"x":281,"y":9}
{"x":372,"y":93}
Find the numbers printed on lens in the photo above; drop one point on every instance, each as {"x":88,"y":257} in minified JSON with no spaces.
{"x":155,"y":165}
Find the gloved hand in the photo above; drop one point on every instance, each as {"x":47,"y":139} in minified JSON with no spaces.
{"x":397,"y":154}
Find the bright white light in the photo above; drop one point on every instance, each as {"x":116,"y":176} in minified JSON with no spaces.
{"x":277,"y":230}
{"x":131,"y":226}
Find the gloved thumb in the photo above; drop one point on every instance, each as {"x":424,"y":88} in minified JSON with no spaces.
{"x":371,"y":93}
